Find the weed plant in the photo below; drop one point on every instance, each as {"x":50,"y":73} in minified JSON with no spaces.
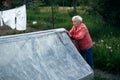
{"x":106,"y":44}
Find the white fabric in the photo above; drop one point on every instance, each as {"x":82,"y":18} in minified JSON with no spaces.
{"x":21,"y":18}
{"x":14,"y":18}
{"x":1,"y":23}
{"x":8,"y":17}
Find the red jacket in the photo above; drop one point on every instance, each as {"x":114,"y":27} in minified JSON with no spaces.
{"x":81,"y":36}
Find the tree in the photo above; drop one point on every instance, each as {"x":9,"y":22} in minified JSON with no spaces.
{"x":75,"y":5}
{"x":1,"y":4}
{"x":7,"y":4}
{"x":109,"y":9}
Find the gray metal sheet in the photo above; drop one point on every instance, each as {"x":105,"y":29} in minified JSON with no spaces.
{"x":44,"y":55}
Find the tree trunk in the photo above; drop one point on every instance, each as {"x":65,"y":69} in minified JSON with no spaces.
{"x":52,"y":7}
{"x":75,"y":5}
{"x":1,"y":4}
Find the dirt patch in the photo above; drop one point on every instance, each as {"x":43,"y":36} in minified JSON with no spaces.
{"x":6,"y":30}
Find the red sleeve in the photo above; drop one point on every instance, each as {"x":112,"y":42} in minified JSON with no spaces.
{"x":80,"y":34}
{"x":71,"y":32}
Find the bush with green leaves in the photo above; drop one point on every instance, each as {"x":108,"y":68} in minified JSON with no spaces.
{"x":109,"y":10}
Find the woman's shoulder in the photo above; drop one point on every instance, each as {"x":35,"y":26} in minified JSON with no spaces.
{"x":83,"y":25}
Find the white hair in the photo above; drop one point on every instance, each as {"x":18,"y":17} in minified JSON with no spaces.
{"x":77,"y":18}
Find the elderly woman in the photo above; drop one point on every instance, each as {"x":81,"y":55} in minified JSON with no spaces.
{"x":80,"y":34}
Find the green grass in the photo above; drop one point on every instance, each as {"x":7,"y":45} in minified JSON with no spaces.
{"x":44,"y":20}
{"x":98,"y":78}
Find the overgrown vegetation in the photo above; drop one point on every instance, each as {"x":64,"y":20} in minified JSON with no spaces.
{"x":106,"y":39}
{"x":98,"y":78}
{"x":109,"y":10}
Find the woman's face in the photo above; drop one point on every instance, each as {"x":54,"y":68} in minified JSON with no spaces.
{"x":76,"y":23}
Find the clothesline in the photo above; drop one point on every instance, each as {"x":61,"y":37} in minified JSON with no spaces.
{"x":14,"y":18}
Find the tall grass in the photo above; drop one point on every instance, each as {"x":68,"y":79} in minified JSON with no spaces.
{"x":44,"y":20}
{"x":106,"y":43}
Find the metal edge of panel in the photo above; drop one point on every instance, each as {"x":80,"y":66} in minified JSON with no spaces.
{"x":37,"y":32}
{"x":88,"y":77}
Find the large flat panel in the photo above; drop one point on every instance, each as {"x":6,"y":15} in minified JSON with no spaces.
{"x":44,"y":55}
